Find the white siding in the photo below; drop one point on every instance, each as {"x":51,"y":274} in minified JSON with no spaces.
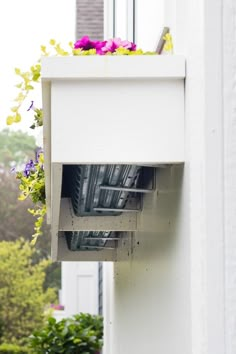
{"x":177,"y":294}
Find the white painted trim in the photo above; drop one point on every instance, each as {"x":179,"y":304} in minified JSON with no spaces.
{"x":96,"y":67}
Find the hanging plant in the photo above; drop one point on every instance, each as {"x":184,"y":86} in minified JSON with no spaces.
{"x":32,"y":186}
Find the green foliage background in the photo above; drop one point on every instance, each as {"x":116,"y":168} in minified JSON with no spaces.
{"x":16,"y":148}
{"x":14,"y":349}
{"x":26,"y":274}
{"x":22,"y":296}
{"x":82,"y":333}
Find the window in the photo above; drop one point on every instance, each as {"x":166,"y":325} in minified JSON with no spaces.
{"x":122,"y":17}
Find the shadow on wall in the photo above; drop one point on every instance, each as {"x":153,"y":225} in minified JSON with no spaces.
{"x":151,"y":288}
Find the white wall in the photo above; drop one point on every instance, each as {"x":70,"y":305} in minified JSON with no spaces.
{"x":177,"y":294}
{"x":151,"y":289}
{"x":79,"y":287}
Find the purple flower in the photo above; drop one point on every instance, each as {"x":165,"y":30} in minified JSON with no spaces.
{"x":29,"y":167}
{"x":31,"y":106}
{"x":112,"y":44}
{"x":84,"y":43}
{"x":103,"y":47}
{"x":99,"y":47}
{"x":39,"y":151}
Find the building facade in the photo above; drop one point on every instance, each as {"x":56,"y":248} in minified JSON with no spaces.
{"x":177,"y":292}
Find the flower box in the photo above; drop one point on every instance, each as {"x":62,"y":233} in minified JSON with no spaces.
{"x":107,"y":110}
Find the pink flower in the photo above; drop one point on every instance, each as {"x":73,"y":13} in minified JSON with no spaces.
{"x":112,"y":44}
{"x":57,"y":307}
{"x":102,"y":47}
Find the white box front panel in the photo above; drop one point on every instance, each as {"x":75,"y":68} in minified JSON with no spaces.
{"x":117,"y":121}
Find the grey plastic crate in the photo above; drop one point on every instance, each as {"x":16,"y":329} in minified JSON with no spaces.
{"x":86,"y":194}
{"x":87,"y":240}
{"x":84,"y":185}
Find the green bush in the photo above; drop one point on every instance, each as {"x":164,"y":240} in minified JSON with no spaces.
{"x":13,"y":348}
{"x":81,"y":334}
{"x":22,"y":297}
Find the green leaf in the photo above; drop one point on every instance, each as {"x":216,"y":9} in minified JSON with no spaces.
{"x":52,"y":42}
{"x":36,"y":76}
{"x":14,"y":109}
{"x":17,"y":118}
{"x":10,"y":120}
{"x":29,"y":87}
{"x":17,"y":71}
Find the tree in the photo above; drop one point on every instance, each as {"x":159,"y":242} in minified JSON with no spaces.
{"x":22,"y":297}
{"x":16,"y":147}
